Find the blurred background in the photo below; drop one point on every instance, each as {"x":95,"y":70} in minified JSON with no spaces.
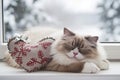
{"x":93,"y":17}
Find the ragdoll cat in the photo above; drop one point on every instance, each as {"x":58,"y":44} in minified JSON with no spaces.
{"x":76,"y":53}
{"x":71,"y":52}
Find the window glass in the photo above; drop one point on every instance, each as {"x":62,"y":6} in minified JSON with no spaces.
{"x":93,"y":17}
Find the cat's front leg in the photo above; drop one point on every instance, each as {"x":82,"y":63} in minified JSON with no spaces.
{"x":90,"y":67}
{"x":104,"y":65}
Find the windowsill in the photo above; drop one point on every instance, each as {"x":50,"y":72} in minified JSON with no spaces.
{"x":6,"y":70}
{"x":10,"y":73}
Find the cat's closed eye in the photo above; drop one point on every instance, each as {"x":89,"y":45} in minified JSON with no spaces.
{"x":85,"y":50}
{"x":74,"y":44}
{"x":93,"y":46}
{"x":68,"y":46}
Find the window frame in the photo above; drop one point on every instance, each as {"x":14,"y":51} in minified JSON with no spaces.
{"x":3,"y":47}
{"x":112,"y":49}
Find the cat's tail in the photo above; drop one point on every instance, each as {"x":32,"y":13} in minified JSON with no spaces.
{"x":10,"y":61}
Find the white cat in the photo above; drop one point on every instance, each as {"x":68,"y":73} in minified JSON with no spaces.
{"x":71,"y":52}
{"x":76,"y":53}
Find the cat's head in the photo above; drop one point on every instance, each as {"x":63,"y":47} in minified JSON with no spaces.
{"x":78,"y":47}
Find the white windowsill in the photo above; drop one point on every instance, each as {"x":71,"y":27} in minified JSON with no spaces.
{"x":7,"y":72}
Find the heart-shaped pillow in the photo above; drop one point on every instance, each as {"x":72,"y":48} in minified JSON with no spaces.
{"x":30,"y":56}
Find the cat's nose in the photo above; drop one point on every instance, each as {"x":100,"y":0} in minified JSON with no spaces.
{"x":75,"y":53}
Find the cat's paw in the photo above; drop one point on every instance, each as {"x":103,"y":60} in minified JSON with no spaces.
{"x":10,"y":61}
{"x":104,"y":65}
{"x":90,"y":68}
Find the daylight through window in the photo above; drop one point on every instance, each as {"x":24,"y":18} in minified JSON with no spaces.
{"x":93,"y":17}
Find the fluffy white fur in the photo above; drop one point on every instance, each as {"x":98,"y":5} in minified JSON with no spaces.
{"x":91,"y":65}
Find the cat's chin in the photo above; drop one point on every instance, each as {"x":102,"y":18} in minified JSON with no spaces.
{"x":78,"y":59}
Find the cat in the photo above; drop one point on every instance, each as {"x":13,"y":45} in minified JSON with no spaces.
{"x":77,"y":53}
{"x":72,"y":53}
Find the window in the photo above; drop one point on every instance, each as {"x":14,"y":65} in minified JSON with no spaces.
{"x":93,"y":17}
{"x":96,"y":17}
{"x":2,"y":46}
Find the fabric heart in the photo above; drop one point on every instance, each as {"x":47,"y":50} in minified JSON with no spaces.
{"x":30,"y":56}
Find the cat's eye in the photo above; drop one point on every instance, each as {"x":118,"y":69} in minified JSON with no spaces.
{"x":93,"y":46}
{"x":72,"y":43}
{"x":63,"y":39}
{"x":68,"y":47}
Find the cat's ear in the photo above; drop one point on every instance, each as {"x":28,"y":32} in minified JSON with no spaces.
{"x":92,"y":38}
{"x":68,"y":32}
